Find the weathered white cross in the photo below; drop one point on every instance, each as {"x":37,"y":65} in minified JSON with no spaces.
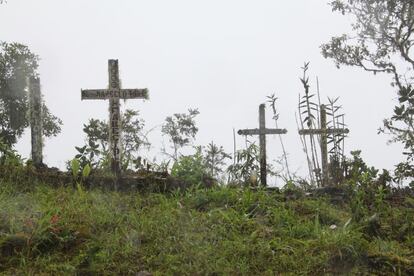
{"x":36,"y":127}
{"x":114,"y":93}
{"x":324,"y":131}
{"x":262,"y":131}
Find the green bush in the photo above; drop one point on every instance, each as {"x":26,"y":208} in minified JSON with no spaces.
{"x":8,"y":156}
{"x":190,"y":168}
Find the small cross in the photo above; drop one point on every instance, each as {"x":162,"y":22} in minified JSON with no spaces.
{"x":36,"y":127}
{"x":114,"y":93}
{"x":262,"y":131}
{"x":324,"y":132}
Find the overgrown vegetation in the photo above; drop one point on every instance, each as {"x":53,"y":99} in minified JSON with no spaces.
{"x":381,"y":42}
{"x":181,"y":130}
{"x":216,"y":231}
{"x":310,"y":106}
{"x":96,"y":149}
{"x":245,"y":166}
{"x":205,"y":229}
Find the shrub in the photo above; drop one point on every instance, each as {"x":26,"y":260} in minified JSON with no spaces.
{"x":190,"y":168}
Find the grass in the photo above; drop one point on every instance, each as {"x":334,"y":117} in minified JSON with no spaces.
{"x":64,"y":231}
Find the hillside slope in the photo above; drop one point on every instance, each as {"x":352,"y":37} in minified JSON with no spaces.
{"x":205,"y":232}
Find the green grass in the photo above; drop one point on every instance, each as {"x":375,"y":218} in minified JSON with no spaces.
{"x":220,"y":231}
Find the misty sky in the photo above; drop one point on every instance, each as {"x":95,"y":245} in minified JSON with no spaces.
{"x":223,"y":57}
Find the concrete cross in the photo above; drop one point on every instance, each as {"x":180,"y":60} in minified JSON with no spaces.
{"x":324,"y":131}
{"x":114,"y":93}
{"x":36,"y":128}
{"x":262,"y":131}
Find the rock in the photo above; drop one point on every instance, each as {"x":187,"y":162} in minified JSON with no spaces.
{"x":143,"y":273}
{"x":11,"y":244}
{"x":253,"y":179}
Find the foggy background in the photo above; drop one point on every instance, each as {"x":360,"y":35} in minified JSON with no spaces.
{"x":223,"y":57}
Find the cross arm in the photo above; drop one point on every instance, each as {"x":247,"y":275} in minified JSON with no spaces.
{"x":104,"y":94}
{"x":257,"y":131}
{"x":323,"y":131}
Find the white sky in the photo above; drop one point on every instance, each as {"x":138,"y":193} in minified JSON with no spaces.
{"x":223,"y":57}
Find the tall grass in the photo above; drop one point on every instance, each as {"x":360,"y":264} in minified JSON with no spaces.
{"x":218,"y":231}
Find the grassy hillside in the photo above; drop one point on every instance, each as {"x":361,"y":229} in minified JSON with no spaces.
{"x":218,"y":231}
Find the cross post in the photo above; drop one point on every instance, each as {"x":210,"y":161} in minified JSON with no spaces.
{"x":36,"y":127}
{"x":324,"y":131}
{"x":262,"y":145}
{"x":324,"y":146}
{"x":114,"y":93}
{"x":262,"y":132}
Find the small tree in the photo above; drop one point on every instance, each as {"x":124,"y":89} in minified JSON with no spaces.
{"x":97,"y":131}
{"x":272,"y":102}
{"x":96,"y":150}
{"x":181,"y":130}
{"x":309,"y":118}
{"x":134,"y":138}
{"x":17,"y":63}
{"x":190,"y":168}
{"x":214,"y":158}
{"x":247,"y":163}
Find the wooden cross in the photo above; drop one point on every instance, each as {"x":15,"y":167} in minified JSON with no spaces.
{"x":262,"y":131}
{"x":114,"y":93}
{"x":324,"y":132}
{"x":36,"y":127}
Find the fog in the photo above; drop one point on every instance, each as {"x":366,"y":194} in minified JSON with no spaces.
{"x":222,"y":57}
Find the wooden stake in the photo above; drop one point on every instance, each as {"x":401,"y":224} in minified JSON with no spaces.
{"x":324,"y":147}
{"x":262,"y":144}
{"x":36,"y":127}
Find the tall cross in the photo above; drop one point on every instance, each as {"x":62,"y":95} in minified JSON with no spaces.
{"x":114,"y":93}
{"x":262,"y":131}
{"x":324,"y":131}
{"x":36,"y":127}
